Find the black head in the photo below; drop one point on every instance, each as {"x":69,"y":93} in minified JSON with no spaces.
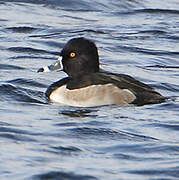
{"x":80,"y":56}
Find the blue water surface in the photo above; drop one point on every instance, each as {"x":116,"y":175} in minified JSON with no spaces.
{"x":44,"y":141}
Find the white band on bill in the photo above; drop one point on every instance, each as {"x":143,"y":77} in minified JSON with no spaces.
{"x":53,"y":67}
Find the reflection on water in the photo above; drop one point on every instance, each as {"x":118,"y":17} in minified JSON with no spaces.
{"x":78,"y":113}
{"x":40,"y":140}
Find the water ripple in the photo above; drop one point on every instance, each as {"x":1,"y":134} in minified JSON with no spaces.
{"x":148,"y":51}
{"x":27,"y":82}
{"x":70,"y":150}
{"x":166,"y":173}
{"x":10,"y":92}
{"x":164,"y":11}
{"x":103,"y":133}
{"x":149,"y":11}
{"x":31,"y":50}
{"x":8,"y":66}
{"x":54,"y":175}
{"x":21,"y":29}
{"x":17,"y":134}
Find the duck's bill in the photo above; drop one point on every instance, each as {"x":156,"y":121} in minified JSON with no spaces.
{"x":53,"y":67}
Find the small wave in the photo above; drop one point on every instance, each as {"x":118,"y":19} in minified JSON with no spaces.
{"x":22,"y":29}
{"x":174,"y":127}
{"x":173,"y":37}
{"x":146,"y":10}
{"x":157,"y":32}
{"x":30,"y":57}
{"x":31,"y":50}
{"x":27,"y":82}
{"x":162,"y":67}
{"x":167,"y":11}
{"x":148,"y":51}
{"x":90,"y":31}
{"x":54,"y":175}
{"x":17,"y":131}
{"x":171,"y":104}
{"x":11,"y":93}
{"x":71,"y":5}
{"x":70,"y":32}
{"x":70,"y":150}
{"x":165,"y":172}
{"x":16,"y":134}
{"x":103,"y":133}
{"x":15,"y":137}
{"x":148,"y":148}
{"x":170,"y":87}
{"x":7,"y":66}
{"x":78,"y":113}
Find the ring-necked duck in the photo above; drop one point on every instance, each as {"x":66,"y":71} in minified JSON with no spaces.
{"x":87,"y":86}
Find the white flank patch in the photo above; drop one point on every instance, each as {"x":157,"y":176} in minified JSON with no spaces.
{"x":94,"y":95}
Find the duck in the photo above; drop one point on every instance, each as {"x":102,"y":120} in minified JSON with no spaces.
{"x":86,"y":85}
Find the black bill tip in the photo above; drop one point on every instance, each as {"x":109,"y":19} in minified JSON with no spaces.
{"x":40,"y":70}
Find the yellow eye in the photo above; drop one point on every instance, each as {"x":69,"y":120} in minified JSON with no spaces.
{"x":72,"y":54}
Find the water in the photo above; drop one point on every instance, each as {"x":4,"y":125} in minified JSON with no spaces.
{"x":39,"y":140}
